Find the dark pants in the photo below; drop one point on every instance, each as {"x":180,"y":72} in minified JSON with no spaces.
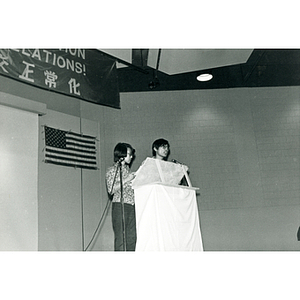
{"x":130,"y":226}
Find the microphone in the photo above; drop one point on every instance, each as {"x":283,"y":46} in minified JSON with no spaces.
{"x":176,"y":162}
{"x":121,"y":159}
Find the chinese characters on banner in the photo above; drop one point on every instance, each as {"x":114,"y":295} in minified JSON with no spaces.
{"x":82,"y":73}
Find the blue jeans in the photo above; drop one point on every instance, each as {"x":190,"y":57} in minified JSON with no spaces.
{"x":130,"y":226}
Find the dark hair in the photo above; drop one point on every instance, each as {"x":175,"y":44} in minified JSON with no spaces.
{"x":158,"y":143}
{"x":121,"y":151}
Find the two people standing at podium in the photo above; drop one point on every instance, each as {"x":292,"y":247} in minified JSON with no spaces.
{"x":123,"y":154}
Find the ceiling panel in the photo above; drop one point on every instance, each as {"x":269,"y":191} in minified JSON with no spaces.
{"x":175,"y":61}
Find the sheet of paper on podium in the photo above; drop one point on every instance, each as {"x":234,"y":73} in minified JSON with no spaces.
{"x":159,"y":171}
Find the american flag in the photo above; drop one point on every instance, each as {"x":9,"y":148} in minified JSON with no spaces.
{"x":70,"y":149}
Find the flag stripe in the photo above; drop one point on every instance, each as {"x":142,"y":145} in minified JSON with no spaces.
{"x":68,"y":159}
{"x":69,"y":152}
{"x":80,"y":135}
{"x":80,"y":146}
{"x":70,"y":149}
{"x":81,"y":140}
{"x":62,"y":163}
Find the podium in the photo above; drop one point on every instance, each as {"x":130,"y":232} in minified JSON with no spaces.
{"x":167,"y":216}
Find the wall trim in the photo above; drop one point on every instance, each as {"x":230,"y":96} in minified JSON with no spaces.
{"x":23,"y":103}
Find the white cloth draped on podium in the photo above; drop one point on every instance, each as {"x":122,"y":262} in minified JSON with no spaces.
{"x":167,"y":218}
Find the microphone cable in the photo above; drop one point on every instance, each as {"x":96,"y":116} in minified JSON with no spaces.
{"x":107,"y":204}
{"x":106,"y":207}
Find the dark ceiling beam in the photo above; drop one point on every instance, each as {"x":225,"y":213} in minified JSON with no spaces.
{"x":249,"y":73}
{"x":155,"y":83}
{"x":140,"y":57}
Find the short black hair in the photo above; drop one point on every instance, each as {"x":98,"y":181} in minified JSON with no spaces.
{"x":158,"y":143}
{"x":121,"y":151}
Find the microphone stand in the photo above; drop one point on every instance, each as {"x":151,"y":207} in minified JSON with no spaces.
{"x":122,"y":208}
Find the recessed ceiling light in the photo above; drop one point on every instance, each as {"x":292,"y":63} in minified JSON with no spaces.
{"x":204,"y":77}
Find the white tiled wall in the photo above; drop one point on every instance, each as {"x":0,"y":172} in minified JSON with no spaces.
{"x":242,"y":145}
